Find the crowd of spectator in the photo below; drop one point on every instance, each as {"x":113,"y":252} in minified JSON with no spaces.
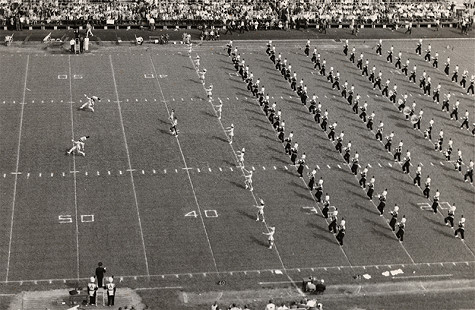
{"x":304,"y":304}
{"x":239,"y":13}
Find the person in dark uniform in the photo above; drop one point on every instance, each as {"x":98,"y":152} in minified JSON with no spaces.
{"x":370,"y":191}
{"x":379,"y":47}
{"x":339,"y":142}
{"x":412,"y":76}
{"x":461,"y":228}
{"x":407,"y":162}
{"x":435,"y":203}
{"x":293,"y":153}
{"x":471,"y":86}
{"x":363,"y":175}
{"x":311,"y":181}
{"x":389,"y":142}
{"x":326,"y":206}
{"x":450,"y":216}
{"x":331,"y":134}
{"x":333,"y":219}
{"x":379,"y":131}
{"x":354,"y":165}
{"x":341,"y":231}
{"x":319,"y":190}
{"x":100,"y":271}
{"x":417,"y":178}
{"x":394,"y":213}
{"x":469,"y":173}
{"x":382,"y":202}
{"x":347,"y":154}
{"x":307,"y":48}
{"x":345,"y":48}
{"x":401,"y":229}
{"x":301,"y":163}
{"x":398,"y":151}
{"x":426,"y":191}
{"x":318,"y":113}
{"x":324,"y":123}
{"x":369,"y":124}
{"x":419,"y":47}
{"x":288,"y":143}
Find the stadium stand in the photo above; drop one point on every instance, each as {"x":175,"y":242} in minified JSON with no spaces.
{"x":238,"y":15}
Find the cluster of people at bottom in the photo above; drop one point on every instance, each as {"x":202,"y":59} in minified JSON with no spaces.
{"x":306,"y":303}
{"x":309,"y":285}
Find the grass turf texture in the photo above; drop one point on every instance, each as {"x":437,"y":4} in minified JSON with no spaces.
{"x":42,"y":248}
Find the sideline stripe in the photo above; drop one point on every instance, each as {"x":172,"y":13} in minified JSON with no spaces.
{"x":16,"y":170}
{"x":130,"y":166}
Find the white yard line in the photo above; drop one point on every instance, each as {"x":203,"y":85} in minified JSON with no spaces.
{"x":186,"y":168}
{"x":130,"y":167}
{"x":74,"y":168}
{"x":16,"y":170}
{"x":252,"y":193}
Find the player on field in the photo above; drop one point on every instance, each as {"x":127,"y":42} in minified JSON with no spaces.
{"x":202,"y":75}
{"x":247,"y":178}
{"x":90,"y":103}
{"x":270,"y":237}
{"x":78,"y":146}
{"x":218,"y":108}
{"x":240,"y":157}
{"x":260,"y":211}
{"x":230,"y":132}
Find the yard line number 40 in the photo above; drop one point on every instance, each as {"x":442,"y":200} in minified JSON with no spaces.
{"x":208,"y":213}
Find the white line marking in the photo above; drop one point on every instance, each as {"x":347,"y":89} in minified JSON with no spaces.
{"x":329,"y":167}
{"x":28,"y":175}
{"x":39,"y":174}
{"x":275,"y":168}
{"x":286,"y":168}
{"x":130,"y":167}
{"x":16,"y":169}
{"x":379,"y":164}
{"x":390,"y":165}
{"x":263,"y":168}
{"x":187,"y":171}
{"x":220,"y":169}
{"x":318,"y":167}
{"x":369,"y":166}
{"x":339,"y":166}
{"x":424,"y":276}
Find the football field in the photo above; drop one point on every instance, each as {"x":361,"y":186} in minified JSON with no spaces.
{"x":149,"y":204}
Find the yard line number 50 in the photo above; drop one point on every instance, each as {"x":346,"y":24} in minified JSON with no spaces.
{"x":67,"y":219}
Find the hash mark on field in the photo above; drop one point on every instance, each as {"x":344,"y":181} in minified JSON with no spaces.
{"x":339,"y":166}
{"x":220,"y":169}
{"x":28,"y":175}
{"x":286,"y":168}
{"x":231,"y":168}
{"x":275,"y":168}
{"x":63,"y":174}
{"x":85,"y":173}
{"x":198,"y":169}
{"x":379,"y":164}
{"x":154,"y":171}
{"x":329,"y":167}
{"x":318,"y":167}
{"x":97,"y":172}
{"x":108,"y":172}
{"x":253,"y":168}
{"x":120,"y":172}
{"x":369,"y":166}
{"x":209,"y":169}
{"x":431,"y":164}
{"x":263,"y":168}
{"x":390,"y":165}
{"x":176,"y":170}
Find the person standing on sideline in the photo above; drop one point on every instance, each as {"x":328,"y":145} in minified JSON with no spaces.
{"x":382,"y":202}
{"x":100,"y":271}
{"x":394,"y":214}
{"x":370,"y":191}
{"x":435,"y":203}
{"x":260,"y":211}
{"x":401,"y":229}
{"x":92,"y":291}
{"x":461,"y":229}
{"x":341,"y":231}
{"x":110,"y":287}
{"x":426,"y":191}
{"x":230,"y":133}
{"x":270,"y":236}
{"x":450,"y":216}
